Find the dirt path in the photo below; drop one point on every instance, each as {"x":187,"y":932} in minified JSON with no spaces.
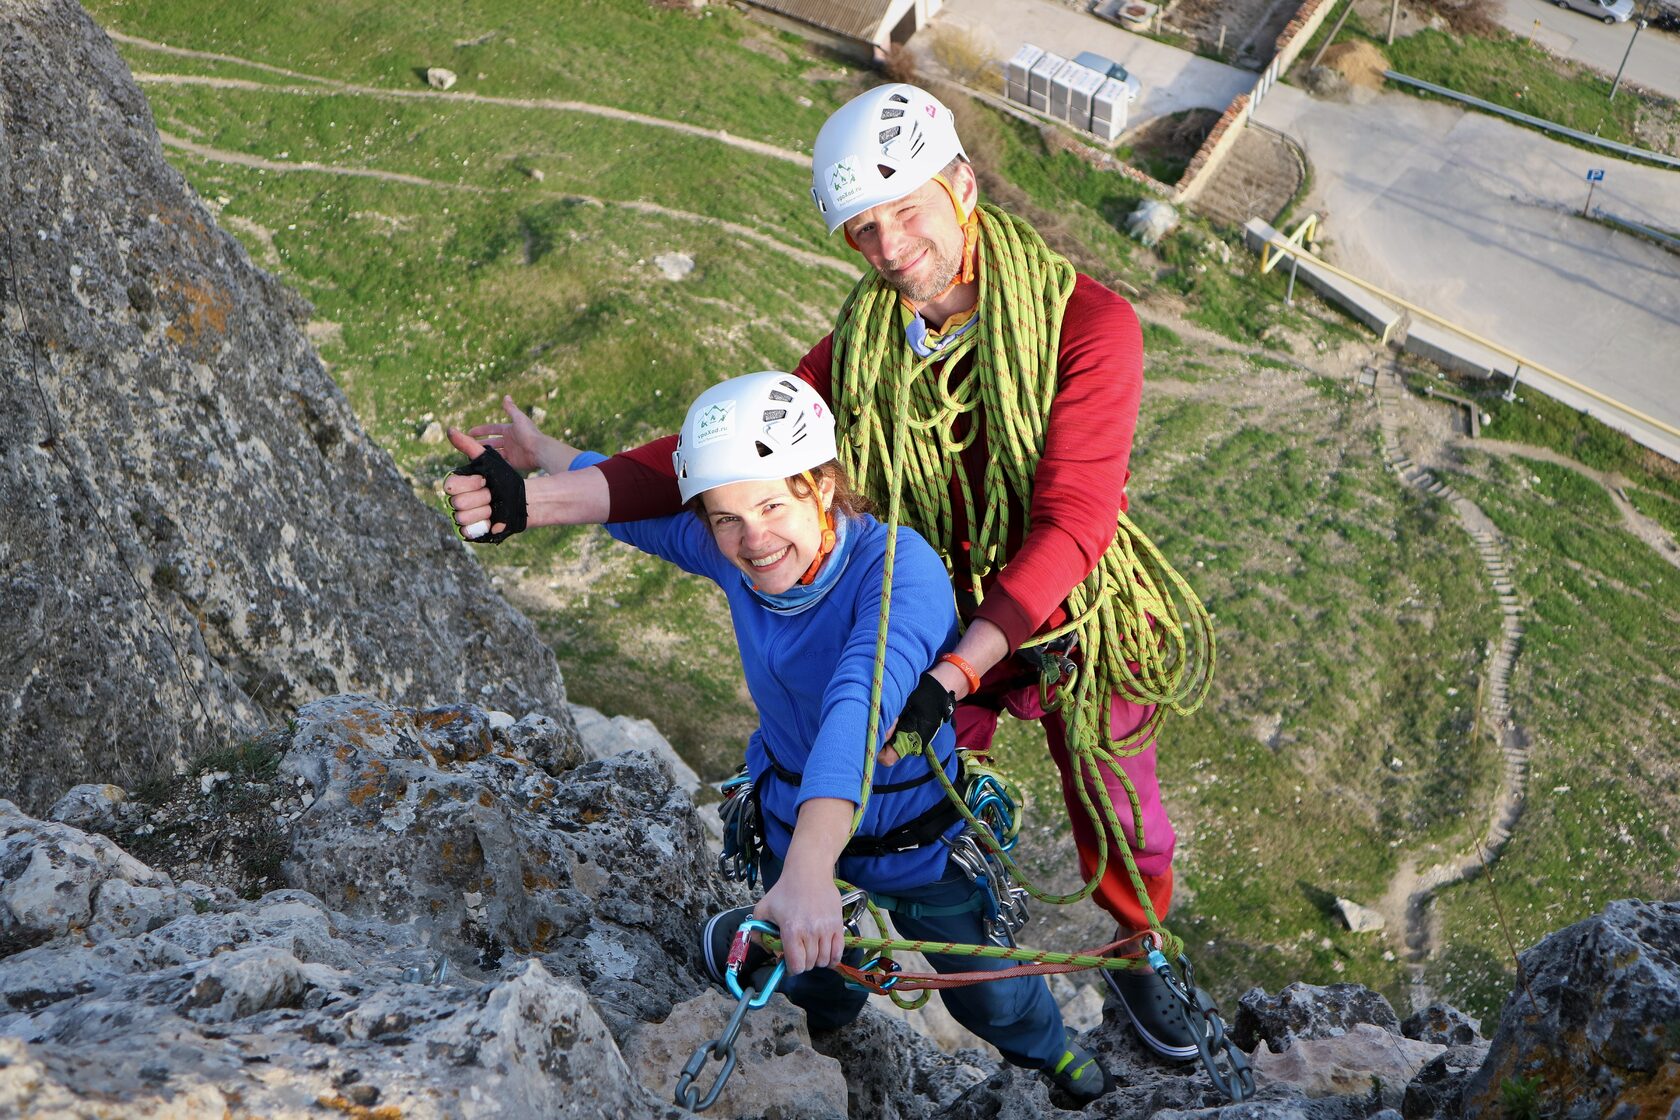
{"x":320,"y":86}
{"x":244,"y":159}
{"x":1647,"y":529}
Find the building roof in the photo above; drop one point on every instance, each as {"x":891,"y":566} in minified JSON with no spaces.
{"x":857,"y":19}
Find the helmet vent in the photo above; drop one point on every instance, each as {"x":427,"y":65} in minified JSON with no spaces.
{"x":774,"y":414}
{"x":886,"y":172}
{"x":889,"y":134}
{"x":891,"y":114}
{"x":900,"y":98}
{"x":764,"y":451}
{"x":779,"y":395}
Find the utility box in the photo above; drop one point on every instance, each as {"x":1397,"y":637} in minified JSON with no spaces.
{"x":1108,"y":110}
{"x":1061,"y":89}
{"x":1043,"y":70}
{"x":1083,"y":85}
{"x":1018,"y":73}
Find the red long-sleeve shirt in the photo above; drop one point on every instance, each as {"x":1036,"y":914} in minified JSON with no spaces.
{"x":1078,"y":488}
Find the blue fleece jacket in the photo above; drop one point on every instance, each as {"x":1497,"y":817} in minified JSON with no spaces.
{"x":809,"y":675}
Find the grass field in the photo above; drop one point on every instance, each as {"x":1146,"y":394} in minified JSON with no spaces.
{"x":525,"y":257}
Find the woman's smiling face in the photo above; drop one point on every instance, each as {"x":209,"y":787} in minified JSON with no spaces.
{"x":766,"y":531}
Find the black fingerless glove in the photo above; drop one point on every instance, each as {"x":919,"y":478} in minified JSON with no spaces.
{"x":927,"y":710}
{"x":507,"y":495}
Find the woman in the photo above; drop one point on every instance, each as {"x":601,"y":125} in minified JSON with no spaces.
{"x":775,"y":524}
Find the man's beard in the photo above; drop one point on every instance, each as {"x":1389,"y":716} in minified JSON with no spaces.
{"x":945,"y":269}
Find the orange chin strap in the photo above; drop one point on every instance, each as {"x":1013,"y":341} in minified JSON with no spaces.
{"x":827,"y":545}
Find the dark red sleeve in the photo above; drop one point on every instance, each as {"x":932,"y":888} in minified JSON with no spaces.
{"x":1080,"y":485}
{"x":642,"y":483}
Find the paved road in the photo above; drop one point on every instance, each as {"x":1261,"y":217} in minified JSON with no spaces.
{"x":1476,"y":219}
{"x":1654,"y":61}
{"x":1172,"y":79}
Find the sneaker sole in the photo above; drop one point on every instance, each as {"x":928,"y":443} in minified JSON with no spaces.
{"x":714,"y":967}
{"x":1165,"y":1049}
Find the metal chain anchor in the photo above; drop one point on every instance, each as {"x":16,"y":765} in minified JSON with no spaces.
{"x":723,"y":1047}
{"x":1201,"y":1015}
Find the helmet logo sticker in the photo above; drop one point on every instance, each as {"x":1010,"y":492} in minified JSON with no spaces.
{"x":843,"y":181}
{"x":717,"y":422}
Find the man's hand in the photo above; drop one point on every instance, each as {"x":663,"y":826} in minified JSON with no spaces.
{"x":489,"y":502}
{"x":520,"y":442}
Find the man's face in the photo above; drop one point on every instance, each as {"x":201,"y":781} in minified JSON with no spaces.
{"x":914,"y":242}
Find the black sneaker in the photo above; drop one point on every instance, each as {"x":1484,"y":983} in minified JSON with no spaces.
{"x":715,"y":937}
{"x":1155,"y":1012}
{"x":1078,"y":1073}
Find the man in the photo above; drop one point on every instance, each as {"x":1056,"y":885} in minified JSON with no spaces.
{"x":890,"y":171}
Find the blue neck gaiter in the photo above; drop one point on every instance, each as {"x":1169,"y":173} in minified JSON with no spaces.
{"x":802,"y":597}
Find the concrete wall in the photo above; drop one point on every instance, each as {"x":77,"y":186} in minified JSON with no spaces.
{"x":1204,"y":165}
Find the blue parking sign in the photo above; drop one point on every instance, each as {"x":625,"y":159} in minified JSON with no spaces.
{"x":1595,"y":175}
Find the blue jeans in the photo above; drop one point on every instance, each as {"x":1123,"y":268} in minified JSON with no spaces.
{"x":1017,"y":1015}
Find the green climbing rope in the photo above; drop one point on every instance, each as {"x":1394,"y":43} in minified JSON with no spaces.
{"x":1142,"y":631}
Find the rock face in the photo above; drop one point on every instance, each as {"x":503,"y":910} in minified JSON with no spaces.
{"x":206,"y":539}
{"x":1601,"y":1036}
{"x":448,"y":912}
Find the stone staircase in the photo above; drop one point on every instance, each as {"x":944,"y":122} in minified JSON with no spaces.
{"x":1496,"y":697}
{"x":1257,"y":180}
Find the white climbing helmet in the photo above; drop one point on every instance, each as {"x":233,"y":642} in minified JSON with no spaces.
{"x":749,"y":429}
{"x":879,"y":146}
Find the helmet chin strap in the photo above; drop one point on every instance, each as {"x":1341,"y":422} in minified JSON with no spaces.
{"x":970,"y":222}
{"x":827,"y":545}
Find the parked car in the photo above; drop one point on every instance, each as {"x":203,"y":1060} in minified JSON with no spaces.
{"x":1108,"y":68}
{"x":1610,"y":11}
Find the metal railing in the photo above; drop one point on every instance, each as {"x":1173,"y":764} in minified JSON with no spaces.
{"x":1537,"y":122}
{"x":1290,"y":245}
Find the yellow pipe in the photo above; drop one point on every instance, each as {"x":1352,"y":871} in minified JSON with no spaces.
{"x":1297,"y":251}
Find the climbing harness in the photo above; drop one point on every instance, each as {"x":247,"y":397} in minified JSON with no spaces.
{"x":748,"y":998}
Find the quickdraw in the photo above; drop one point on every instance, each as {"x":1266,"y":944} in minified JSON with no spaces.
{"x":748,"y":998}
{"x":1201,"y":1015}
{"x":743,"y":836}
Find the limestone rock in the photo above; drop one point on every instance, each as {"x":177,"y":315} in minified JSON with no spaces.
{"x":1600,"y":1037}
{"x":1348,"y":1064}
{"x":432,"y":433}
{"x":93,"y":808}
{"x":1308,"y":1011}
{"x":1437,"y":1090}
{"x":55,"y":879}
{"x":605,"y":736}
{"x":428,"y":819}
{"x":439,"y":78}
{"x":674,"y":266}
{"x":1443,"y":1024}
{"x":776,"y":1073}
{"x":211,"y":538}
{"x":1357,"y":918}
{"x":1151,"y":221}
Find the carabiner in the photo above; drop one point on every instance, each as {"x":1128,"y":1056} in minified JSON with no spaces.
{"x":738,"y":956}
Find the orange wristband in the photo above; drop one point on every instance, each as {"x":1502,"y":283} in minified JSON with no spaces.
{"x":966,"y":670}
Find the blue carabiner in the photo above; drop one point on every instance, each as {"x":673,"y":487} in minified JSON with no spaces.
{"x":732,"y":977}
